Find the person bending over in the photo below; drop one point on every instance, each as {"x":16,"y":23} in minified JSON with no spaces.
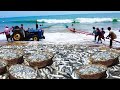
{"x":112,"y":36}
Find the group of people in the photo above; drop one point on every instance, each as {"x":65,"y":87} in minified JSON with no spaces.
{"x":100,"y":34}
{"x":8,"y":30}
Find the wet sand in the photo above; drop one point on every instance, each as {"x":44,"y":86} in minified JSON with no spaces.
{"x":14,"y":43}
{"x":25,"y":43}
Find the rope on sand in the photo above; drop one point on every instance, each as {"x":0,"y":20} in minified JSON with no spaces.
{"x":83,"y":32}
{"x":80,"y":31}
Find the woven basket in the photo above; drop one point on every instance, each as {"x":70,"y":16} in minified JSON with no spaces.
{"x":41,"y":64}
{"x":99,"y":75}
{"x":93,"y":76}
{"x":15,"y":61}
{"x":13,"y":77}
{"x":107,"y":63}
{"x":4,"y":68}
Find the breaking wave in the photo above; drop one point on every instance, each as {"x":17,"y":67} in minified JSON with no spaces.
{"x":77,"y":20}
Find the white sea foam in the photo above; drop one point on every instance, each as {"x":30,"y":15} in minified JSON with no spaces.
{"x":71,"y":38}
{"x":93,"y":20}
{"x":2,"y":37}
{"x":80,"y":20}
{"x":56,"y":20}
{"x":66,"y":37}
{"x":61,"y":37}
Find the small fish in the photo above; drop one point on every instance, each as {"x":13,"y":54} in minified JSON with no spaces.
{"x":117,"y":77}
{"x":57,"y":76}
{"x":108,"y":75}
{"x":74,"y":75}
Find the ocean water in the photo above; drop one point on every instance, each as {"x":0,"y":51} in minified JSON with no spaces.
{"x":56,"y":23}
{"x":56,"y":32}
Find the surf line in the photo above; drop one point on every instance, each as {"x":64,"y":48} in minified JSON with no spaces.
{"x":83,"y":32}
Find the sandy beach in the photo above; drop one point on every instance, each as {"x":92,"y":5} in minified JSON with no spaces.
{"x":63,"y":53}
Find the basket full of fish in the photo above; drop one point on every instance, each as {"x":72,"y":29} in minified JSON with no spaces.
{"x":40,"y":59}
{"x":19,"y":71}
{"x":52,"y":61}
{"x":107,"y":58}
{"x":11,"y":56}
{"x":92,"y":71}
{"x":3,"y":66}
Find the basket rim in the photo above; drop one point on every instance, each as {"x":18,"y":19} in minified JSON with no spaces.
{"x":77,"y":72}
{"x":21,"y":65}
{"x":48,"y":59}
{"x":111,"y":59}
{"x":4,"y":61}
{"x":105,"y":67}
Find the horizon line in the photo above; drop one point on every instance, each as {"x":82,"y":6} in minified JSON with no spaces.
{"x":58,"y":14}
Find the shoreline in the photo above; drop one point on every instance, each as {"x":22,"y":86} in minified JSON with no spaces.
{"x":62,"y":38}
{"x":45,"y":43}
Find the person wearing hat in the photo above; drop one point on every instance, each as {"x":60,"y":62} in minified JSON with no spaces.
{"x":7,"y":33}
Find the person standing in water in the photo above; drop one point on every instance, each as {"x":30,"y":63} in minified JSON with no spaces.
{"x":103,"y":33}
{"x":74,"y":30}
{"x":23,"y":30}
{"x":95,"y":33}
{"x":112,"y":36}
{"x":36,"y":25}
{"x":100,"y":35}
{"x":7,"y":33}
{"x":21,"y":26}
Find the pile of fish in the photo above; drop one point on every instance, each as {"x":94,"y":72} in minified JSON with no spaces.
{"x":8,"y":52}
{"x":67,"y":59}
{"x":92,"y":69}
{"x":103,"y":56}
{"x":39,"y":56}
{"x":22,"y":72}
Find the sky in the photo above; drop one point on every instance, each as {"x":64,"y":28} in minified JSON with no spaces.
{"x":42,"y":13}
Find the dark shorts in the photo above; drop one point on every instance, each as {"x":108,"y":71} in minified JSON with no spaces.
{"x":8,"y":36}
{"x":103,"y":37}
